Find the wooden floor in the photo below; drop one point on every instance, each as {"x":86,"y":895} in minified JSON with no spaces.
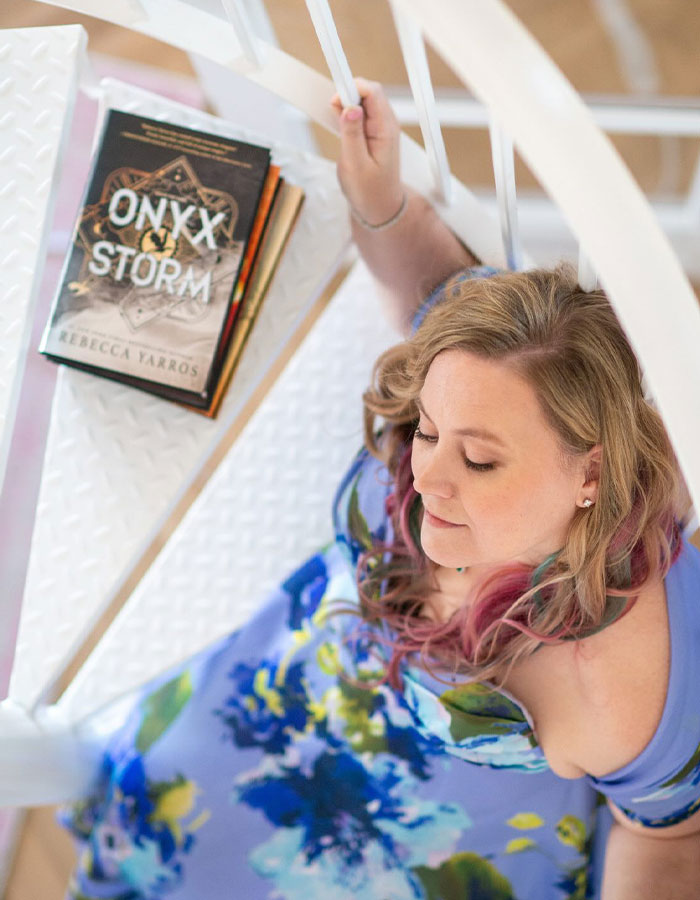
{"x":572,"y":34}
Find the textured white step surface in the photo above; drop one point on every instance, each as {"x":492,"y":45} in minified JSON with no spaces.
{"x":266,"y":508}
{"x":38,"y":83}
{"x":116,"y":458}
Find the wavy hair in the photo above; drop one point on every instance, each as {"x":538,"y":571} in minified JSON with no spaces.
{"x":570,"y":347}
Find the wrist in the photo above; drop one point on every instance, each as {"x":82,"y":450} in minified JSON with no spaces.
{"x":389,"y":215}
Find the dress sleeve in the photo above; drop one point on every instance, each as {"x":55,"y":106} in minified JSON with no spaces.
{"x":361,"y":516}
{"x":661,"y":787}
{"x":444,"y":289}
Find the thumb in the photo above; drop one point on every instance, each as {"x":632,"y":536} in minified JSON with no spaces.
{"x":352,"y":134}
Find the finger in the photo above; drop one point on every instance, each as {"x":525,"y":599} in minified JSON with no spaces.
{"x":365,"y":87}
{"x":381,"y":124}
{"x":381,"y":121}
{"x":352,"y":135}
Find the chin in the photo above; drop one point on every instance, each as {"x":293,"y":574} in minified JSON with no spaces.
{"x":447,"y":557}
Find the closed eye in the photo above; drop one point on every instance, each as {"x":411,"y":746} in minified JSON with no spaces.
{"x":422,"y":436}
{"x":470,"y":464}
{"x":478,"y":467}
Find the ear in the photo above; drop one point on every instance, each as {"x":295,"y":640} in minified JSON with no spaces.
{"x":591,"y":476}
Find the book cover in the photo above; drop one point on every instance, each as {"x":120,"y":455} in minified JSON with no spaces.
{"x":156,"y":254}
{"x":263,"y":217}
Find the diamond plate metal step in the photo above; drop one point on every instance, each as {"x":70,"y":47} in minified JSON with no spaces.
{"x":38,"y":83}
{"x":266,"y":508}
{"x":117,"y":459}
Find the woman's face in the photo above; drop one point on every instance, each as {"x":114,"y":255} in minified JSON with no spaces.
{"x":495,"y":483}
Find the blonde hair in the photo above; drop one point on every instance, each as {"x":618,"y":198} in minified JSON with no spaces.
{"x":571,"y":349}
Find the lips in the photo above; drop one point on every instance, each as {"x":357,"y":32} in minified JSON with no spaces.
{"x":437,"y":522}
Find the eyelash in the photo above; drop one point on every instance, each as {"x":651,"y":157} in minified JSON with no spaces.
{"x":475,"y":467}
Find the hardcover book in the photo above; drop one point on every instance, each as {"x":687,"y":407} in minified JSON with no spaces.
{"x":149,"y":286}
{"x":284,"y":213}
{"x":270,"y":188}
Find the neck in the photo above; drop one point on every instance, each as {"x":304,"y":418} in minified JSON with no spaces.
{"x":454,"y":589}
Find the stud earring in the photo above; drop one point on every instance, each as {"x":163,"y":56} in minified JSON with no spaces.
{"x":587,"y":503}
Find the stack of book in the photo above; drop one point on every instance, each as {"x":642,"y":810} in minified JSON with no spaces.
{"x":174,"y":249}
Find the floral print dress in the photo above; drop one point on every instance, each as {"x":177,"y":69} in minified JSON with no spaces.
{"x":274,"y":765}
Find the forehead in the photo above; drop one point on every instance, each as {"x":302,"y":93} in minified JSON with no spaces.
{"x":464,"y":391}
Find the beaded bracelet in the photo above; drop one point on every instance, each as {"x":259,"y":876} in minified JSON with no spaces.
{"x":382,"y":225}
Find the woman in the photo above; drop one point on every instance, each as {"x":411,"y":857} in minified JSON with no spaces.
{"x":504,"y":626}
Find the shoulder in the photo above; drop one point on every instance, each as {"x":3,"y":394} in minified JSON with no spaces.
{"x":624,"y":695}
{"x":622,"y":677}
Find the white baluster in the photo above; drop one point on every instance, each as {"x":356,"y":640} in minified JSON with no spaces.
{"x":416,"y":61}
{"x":327,"y":34}
{"x":587,"y":276}
{"x":239,"y":19}
{"x":504,"y":175}
{"x":43,"y":758}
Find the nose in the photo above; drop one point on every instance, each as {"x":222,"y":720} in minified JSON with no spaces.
{"x":430,"y":474}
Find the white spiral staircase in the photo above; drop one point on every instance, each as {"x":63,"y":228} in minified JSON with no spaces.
{"x":120,"y":466}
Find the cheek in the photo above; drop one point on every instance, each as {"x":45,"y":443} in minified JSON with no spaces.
{"x":505,"y":516}
{"x":492,"y":497}
{"x":540,"y":509}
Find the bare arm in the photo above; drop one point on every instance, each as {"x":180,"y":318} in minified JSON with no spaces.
{"x":417,"y":252}
{"x":651,"y":863}
{"x":597,"y":703}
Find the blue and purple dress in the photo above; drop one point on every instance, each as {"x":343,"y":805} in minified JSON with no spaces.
{"x":273,"y":766}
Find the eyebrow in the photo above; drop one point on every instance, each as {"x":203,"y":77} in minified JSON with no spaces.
{"x":467,"y":432}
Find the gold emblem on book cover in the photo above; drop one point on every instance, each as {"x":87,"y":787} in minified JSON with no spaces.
{"x":157,"y":243}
